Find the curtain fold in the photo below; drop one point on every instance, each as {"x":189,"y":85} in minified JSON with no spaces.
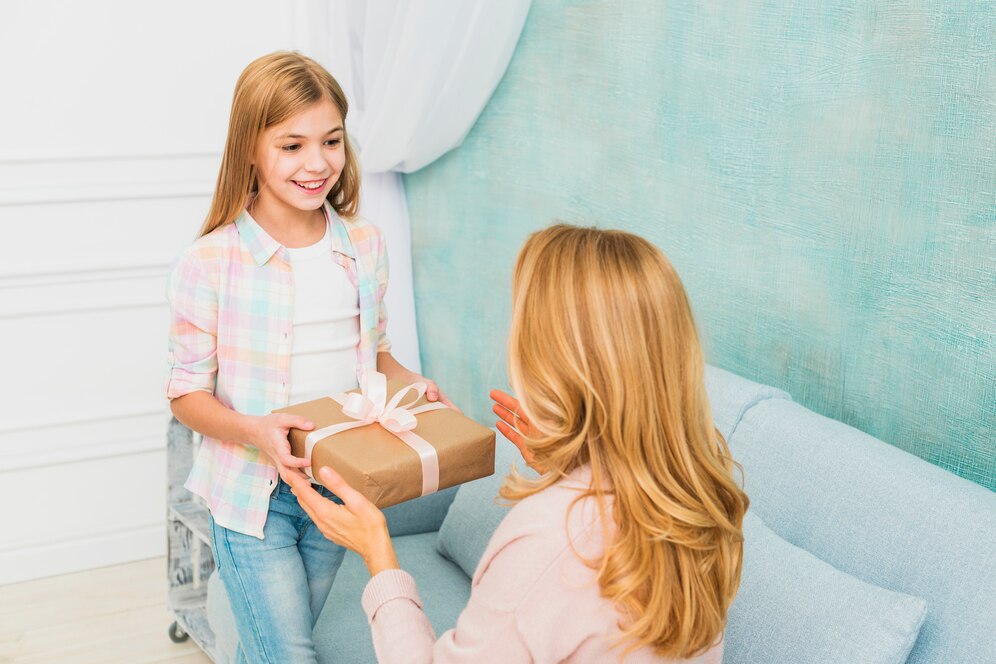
{"x":417,"y":75}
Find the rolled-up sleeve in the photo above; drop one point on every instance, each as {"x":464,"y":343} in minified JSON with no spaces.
{"x":383,"y":269}
{"x":192,"y":359}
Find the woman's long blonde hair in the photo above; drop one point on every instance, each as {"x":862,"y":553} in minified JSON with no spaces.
{"x":270,"y":90}
{"x":606,"y":362}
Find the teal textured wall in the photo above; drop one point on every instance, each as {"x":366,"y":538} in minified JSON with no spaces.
{"x":823,"y":176}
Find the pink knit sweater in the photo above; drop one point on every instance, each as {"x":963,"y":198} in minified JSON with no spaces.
{"x":532,"y":599}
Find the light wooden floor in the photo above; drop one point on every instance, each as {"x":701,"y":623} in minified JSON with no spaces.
{"x":109,"y":615}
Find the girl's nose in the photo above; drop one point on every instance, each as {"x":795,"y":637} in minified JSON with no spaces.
{"x":314,"y":160}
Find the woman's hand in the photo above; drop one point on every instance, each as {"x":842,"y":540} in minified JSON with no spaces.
{"x":269,"y":434}
{"x":357,"y":524}
{"x":513,"y":424}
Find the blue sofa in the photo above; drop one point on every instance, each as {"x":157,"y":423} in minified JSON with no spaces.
{"x":855,"y":551}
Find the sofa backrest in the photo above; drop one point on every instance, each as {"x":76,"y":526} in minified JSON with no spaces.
{"x":476,"y":514}
{"x":881,"y":515}
{"x":731,"y":396}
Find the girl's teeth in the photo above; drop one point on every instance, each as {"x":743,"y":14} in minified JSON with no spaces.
{"x":313,"y":185}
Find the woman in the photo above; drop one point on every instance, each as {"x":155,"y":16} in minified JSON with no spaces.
{"x":632,"y":530}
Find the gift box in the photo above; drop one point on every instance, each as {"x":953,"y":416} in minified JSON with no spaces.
{"x":390,"y":443}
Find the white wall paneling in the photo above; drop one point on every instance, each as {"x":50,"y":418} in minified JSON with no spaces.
{"x":111,"y":130}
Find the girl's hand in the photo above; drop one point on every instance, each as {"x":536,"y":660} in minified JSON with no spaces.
{"x":513,"y":424}
{"x":357,"y":524}
{"x":269,"y":434}
{"x":432,"y":391}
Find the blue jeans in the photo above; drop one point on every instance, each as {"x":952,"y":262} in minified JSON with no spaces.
{"x":277,"y":586}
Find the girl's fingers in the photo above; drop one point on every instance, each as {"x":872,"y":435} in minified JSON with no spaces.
{"x":447,"y":402}
{"x":295,"y":422}
{"x":297,"y":472}
{"x":291,"y":461}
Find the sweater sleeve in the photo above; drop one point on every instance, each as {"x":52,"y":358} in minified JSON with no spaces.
{"x":486,"y":630}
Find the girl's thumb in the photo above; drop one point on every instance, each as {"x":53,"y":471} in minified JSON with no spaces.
{"x":301,"y":423}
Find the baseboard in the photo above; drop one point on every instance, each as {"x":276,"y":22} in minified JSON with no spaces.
{"x":100,"y":550}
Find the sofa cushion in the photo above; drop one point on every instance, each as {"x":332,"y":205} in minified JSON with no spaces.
{"x":730,"y":396}
{"x":342,"y":633}
{"x":421,"y":515}
{"x":793,"y":607}
{"x":475,"y":512}
{"x":881,"y":515}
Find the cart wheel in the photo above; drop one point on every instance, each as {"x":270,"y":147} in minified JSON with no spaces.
{"x":176,"y":634}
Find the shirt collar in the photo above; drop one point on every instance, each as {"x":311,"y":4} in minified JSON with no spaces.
{"x":262,"y":246}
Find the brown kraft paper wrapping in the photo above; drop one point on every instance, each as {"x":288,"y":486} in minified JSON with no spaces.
{"x":380,"y":465}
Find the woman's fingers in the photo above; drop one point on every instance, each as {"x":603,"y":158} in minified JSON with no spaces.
{"x":340,"y":487}
{"x":516,"y":438}
{"x":507,"y":400}
{"x":509,"y":409}
{"x":505,"y":414}
{"x":510,"y":433}
{"x":306,"y":494}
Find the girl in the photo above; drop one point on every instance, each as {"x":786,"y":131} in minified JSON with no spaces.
{"x":633,"y":528}
{"x":280,"y":300}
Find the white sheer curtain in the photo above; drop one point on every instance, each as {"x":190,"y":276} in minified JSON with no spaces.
{"x":417,"y":74}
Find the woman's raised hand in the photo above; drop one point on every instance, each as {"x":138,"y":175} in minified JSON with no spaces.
{"x":357,"y":524}
{"x":513,"y":423}
{"x":269,"y":434}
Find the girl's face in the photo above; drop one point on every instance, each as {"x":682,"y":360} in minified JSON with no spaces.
{"x":299,"y":160}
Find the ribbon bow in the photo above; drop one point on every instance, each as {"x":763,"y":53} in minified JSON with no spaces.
{"x":372,"y":406}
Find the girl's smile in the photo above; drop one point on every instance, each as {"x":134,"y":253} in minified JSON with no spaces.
{"x":312,"y":187}
{"x":298,"y":161}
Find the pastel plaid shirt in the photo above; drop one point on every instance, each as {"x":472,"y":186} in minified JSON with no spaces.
{"x":231,"y":296}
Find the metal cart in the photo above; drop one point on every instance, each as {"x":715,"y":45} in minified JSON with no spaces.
{"x":190,"y":558}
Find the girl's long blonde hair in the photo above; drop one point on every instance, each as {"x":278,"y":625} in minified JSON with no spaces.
{"x":270,"y":90}
{"x":606,"y":362}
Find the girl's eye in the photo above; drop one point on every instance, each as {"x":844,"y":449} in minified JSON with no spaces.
{"x":291,"y":148}
{"x":332,"y":142}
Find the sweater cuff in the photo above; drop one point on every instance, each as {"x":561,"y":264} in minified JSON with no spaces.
{"x":387,"y":585}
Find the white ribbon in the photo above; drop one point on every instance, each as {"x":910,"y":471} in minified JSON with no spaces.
{"x":371,"y":406}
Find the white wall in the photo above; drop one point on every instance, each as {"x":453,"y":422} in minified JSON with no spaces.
{"x":112,"y":121}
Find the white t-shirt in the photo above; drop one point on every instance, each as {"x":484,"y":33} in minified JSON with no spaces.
{"x":326,"y":324}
